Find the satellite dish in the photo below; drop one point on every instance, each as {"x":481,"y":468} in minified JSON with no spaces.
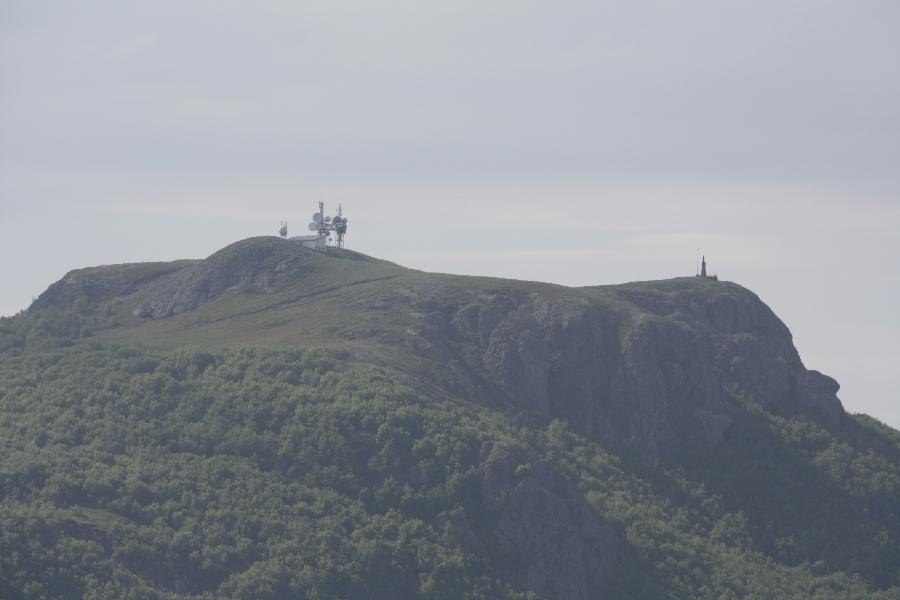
{"x":313,"y":226}
{"x":337,"y":221}
{"x":327,"y":219}
{"x":317,"y":217}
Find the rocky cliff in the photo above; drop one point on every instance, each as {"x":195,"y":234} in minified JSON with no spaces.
{"x":642,"y":365}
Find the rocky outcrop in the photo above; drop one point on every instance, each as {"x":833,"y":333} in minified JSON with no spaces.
{"x":668,"y":363}
{"x":256,"y":265}
{"x":88,"y":288}
{"x":538,"y":530}
{"x":818,"y":393}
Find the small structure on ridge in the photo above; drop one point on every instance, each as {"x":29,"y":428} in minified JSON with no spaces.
{"x":703,"y":273}
{"x":323,"y":226}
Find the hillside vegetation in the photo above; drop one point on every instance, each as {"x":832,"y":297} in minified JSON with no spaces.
{"x":274,"y":423}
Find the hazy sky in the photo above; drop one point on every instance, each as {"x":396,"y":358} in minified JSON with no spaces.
{"x":573,"y":142}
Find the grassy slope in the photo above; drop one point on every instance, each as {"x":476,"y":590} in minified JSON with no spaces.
{"x":347,"y":300}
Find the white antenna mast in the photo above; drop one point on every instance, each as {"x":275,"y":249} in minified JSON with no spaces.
{"x":324,"y":226}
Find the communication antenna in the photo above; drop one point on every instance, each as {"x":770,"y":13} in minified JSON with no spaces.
{"x":340,"y":226}
{"x":320,"y":226}
{"x":323,"y":226}
{"x":697,"y":266}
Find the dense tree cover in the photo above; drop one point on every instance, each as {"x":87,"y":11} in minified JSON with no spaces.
{"x":824,"y":495}
{"x":235,"y":473}
{"x":252,"y":473}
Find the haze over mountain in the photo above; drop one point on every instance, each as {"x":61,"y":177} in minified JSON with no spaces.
{"x":273,"y":421}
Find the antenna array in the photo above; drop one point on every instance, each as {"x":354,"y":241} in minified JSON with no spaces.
{"x":324,"y":226}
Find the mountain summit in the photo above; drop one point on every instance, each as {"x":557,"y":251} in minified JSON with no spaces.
{"x":272,"y":421}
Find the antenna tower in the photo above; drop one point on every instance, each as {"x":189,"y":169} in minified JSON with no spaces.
{"x":323,"y":226}
{"x":340,"y":227}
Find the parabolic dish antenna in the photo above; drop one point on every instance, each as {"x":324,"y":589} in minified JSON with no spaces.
{"x":313,"y":226}
{"x":317,"y":217}
{"x":327,"y":219}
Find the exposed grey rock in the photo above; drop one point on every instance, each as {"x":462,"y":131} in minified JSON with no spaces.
{"x":519,"y":357}
{"x":256,"y":265}
{"x":674,"y":368}
{"x":819,"y":393}
{"x":92,"y":286}
{"x":540,"y":532}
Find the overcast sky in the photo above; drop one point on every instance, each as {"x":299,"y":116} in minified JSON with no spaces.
{"x":572,"y":142}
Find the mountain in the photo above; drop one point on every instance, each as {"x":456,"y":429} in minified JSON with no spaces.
{"x":276,"y":422}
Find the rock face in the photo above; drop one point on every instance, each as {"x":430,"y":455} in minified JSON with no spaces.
{"x":649,"y":366}
{"x":261,"y":265}
{"x":538,"y":530}
{"x":257,"y":265}
{"x":96,"y":285}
